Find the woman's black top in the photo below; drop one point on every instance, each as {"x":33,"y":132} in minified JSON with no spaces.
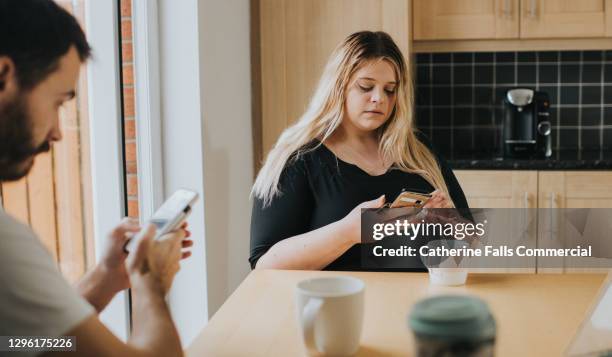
{"x":318,"y":189}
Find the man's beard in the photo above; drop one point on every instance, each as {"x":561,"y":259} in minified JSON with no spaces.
{"x":17,"y":150}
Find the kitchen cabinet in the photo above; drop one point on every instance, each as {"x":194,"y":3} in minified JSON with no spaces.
{"x":511,"y":25}
{"x":543,"y":190}
{"x":294,"y":39}
{"x":465,"y":19}
{"x":565,"y":19}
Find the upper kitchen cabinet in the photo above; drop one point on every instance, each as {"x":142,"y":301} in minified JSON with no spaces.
{"x":465,"y":19}
{"x":292,"y":41}
{"x":566,"y":18}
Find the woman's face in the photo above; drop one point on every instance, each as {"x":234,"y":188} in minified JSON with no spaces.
{"x":370,"y":96}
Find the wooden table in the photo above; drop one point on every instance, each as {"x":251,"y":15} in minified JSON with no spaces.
{"x":536,"y":315}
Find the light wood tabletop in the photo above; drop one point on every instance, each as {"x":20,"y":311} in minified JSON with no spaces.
{"x":536,"y":314}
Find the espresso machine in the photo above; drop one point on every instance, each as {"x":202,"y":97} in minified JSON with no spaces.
{"x":526,"y":124}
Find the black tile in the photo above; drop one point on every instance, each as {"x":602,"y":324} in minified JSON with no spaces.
{"x":462,"y":140}
{"x":462,"y":96}
{"x":423,"y":75}
{"x":548,"y":73}
{"x":526,"y":56}
{"x":463,"y":57}
{"x":482,"y":57}
{"x":570,"y":73}
{"x":607,"y":95}
{"x":504,"y":74}
{"x":507,"y":57}
{"x":483,"y":116}
{"x":591,"y":73}
{"x":526,"y":73}
{"x":591,"y":95}
{"x":590,"y":116}
{"x":595,"y":56}
{"x":553,"y":117}
{"x":608,"y":73}
{"x":441,"y":74}
{"x":569,"y":95}
{"x":441,"y":140}
{"x":568,"y":138}
{"x":483,"y":96}
{"x":607,"y":139}
{"x":462,"y":75}
{"x":423,"y":95}
{"x":441,"y":95}
{"x":552,"y":94}
{"x":441,"y":58}
{"x":422,"y":118}
{"x":570,"y":56}
{"x":590,"y":139}
{"x":548,"y":56}
{"x":498,"y":116}
{"x":607,"y":55}
{"x":483,"y":74}
{"x":441,"y":117}
{"x":568,"y":116}
{"x":607,"y":116}
{"x":423,"y":58}
{"x":486,"y":140}
{"x":462,"y":116}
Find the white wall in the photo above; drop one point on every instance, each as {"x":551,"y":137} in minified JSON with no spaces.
{"x":207,"y":146}
{"x":228,"y":148}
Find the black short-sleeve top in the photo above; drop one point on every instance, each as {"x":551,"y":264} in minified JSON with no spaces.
{"x":317,"y":189}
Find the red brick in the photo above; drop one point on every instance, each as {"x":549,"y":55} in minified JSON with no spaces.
{"x":126,"y":8}
{"x":128,"y":74}
{"x":126,"y":30}
{"x":128,"y":102}
{"x":130,"y":129}
{"x":127,"y":52}
{"x":131,"y":167}
{"x":132,"y":185}
{"x":133,"y":208}
{"x":130,"y":151}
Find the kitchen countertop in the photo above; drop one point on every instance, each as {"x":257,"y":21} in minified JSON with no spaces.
{"x":560,"y":160}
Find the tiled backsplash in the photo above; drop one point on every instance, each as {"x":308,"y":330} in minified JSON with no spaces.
{"x":459,"y":97}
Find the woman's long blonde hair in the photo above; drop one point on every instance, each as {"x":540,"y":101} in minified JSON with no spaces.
{"x":397,"y":144}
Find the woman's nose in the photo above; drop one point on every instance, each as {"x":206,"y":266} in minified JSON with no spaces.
{"x":377,"y":96}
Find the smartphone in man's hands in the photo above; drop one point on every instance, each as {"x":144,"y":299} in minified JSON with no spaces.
{"x":171,"y":214}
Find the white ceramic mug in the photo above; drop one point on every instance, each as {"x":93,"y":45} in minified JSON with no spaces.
{"x":330,"y":314}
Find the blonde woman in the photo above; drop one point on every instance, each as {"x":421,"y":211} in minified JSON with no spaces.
{"x":354,"y":147}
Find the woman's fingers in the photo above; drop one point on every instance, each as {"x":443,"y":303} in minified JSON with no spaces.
{"x":186,"y":243}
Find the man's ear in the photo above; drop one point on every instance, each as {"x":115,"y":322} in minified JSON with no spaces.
{"x":8,"y":76}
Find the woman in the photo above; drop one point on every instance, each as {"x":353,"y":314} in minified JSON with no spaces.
{"x":354,"y":147}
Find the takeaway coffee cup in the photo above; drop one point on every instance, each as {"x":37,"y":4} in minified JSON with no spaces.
{"x":330,"y":314}
{"x":452,"y":325}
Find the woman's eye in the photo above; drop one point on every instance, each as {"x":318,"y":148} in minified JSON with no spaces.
{"x":390,"y":91}
{"x":365,"y":89}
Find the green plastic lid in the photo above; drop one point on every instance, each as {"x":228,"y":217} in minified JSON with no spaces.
{"x":452,"y":317}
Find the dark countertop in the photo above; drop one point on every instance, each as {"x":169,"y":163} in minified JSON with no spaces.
{"x":560,"y":160}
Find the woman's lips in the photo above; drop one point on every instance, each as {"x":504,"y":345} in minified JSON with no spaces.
{"x":374,"y":112}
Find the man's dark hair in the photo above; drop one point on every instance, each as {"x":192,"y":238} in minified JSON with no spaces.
{"x":35,"y":34}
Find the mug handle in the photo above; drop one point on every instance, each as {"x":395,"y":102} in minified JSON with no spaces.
{"x":309,"y":315}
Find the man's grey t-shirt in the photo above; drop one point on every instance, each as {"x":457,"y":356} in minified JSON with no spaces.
{"x":35,"y":299}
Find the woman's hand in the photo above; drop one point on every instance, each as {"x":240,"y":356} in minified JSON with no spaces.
{"x":438,"y":200}
{"x":352,"y":221}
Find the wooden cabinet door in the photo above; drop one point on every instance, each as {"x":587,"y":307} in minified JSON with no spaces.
{"x":566,"y":18}
{"x":505,"y":189}
{"x":568,"y":189}
{"x":499,"y":189}
{"x":465,"y":19}
{"x":296,"y":38}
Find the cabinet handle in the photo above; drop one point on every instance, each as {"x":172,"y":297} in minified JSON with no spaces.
{"x":533,"y":8}
{"x":507,"y":10}
{"x":525,"y":215}
{"x":552,"y":215}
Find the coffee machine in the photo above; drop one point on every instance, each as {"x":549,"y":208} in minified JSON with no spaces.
{"x":526,"y":124}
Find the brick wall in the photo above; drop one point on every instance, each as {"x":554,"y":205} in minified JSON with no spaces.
{"x":128,"y":107}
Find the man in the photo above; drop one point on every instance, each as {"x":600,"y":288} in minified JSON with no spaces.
{"x":41,"y":50}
